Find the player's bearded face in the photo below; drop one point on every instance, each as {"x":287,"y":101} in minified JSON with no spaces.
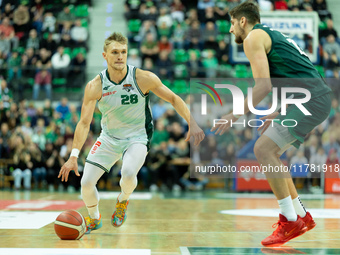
{"x":237,"y":30}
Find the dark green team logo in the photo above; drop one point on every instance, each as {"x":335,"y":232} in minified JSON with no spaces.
{"x":106,"y":88}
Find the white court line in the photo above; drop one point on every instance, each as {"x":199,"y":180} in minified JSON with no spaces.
{"x":271,"y":196}
{"x":184,"y":250}
{"x":76,"y":251}
{"x":317,"y":213}
{"x":26,"y":219}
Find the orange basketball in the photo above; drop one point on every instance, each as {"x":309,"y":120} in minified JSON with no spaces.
{"x":70,"y":225}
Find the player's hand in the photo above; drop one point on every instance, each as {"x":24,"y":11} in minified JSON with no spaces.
{"x":196,"y":132}
{"x":225,"y":125}
{"x":70,"y":164}
{"x":268,"y":119}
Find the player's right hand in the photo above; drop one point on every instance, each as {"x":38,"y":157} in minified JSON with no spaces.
{"x":70,"y":164}
{"x":269,"y":118}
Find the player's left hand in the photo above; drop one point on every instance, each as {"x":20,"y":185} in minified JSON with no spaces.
{"x":225,"y":125}
{"x":196,"y":132}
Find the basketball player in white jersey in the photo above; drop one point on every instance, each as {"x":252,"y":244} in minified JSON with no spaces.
{"x":122,"y":93}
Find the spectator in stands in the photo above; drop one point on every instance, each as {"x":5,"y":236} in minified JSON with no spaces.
{"x":328,"y":31}
{"x":132,"y":9}
{"x":5,"y":135}
{"x":152,"y":15}
{"x":193,"y":36}
{"x":60,"y":63}
{"x":147,"y":27}
{"x":21,"y":21}
{"x":281,"y":5}
{"x":134,"y":59}
{"x":330,"y":47}
{"x":180,"y":161}
{"x":202,"y":5}
{"x":164,"y":44}
{"x":209,"y":36}
{"x":161,"y":134}
{"x":192,"y":16}
{"x":44,"y":60}
{"x":49,"y":44}
{"x":306,"y":5}
{"x":65,"y":16}
{"x":164,"y":65}
{"x":14,"y":63}
{"x":42,"y":79}
{"x":148,"y":64}
{"x":37,"y":12}
{"x":233,"y":3}
{"x":65,"y":35}
{"x":5,"y":94}
{"x":299,"y":160}
{"x":209,"y":15}
{"x":211,"y":64}
{"x":164,"y":18}
{"x":150,"y":48}
{"x":8,"y":30}
{"x":26,"y":69}
{"x":8,"y":12}
{"x":144,"y":9}
{"x":39,"y":170}
{"x":53,"y":164}
{"x":318,"y":160}
{"x":77,"y":70}
{"x":332,"y":143}
{"x":33,"y":40}
{"x":195,"y":66}
{"x":158,"y":166}
{"x":320,"y":6}
{"x":221,"y":10}
{"x":49,"y":23}
{"x":265,"y":5}
{"x":177,"y":11}
{"x":63,"y":108}
{"x":79,"y":34}
{"x":5,"y":46}
{"x":178,"y":36}
{"x":158,"y":109}
{"x":222,"y":52}
{"x":332,"y":157}
{"x":47,"y":109}
{"x":22,"y":164}
{"x":332,"y":67}
{"x":293,"y":5}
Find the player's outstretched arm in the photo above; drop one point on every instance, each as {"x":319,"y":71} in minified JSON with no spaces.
{"x":148,"y":81}
{"x":92,"y":94}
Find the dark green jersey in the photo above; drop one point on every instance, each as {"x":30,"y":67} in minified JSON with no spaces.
{"x":287,"y":60}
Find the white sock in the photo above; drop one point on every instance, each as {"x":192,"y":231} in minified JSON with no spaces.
{"x":93,"y":212}
{"x":299,"y":208}
{"x":287,"y":208}
{"x":123,"y":196}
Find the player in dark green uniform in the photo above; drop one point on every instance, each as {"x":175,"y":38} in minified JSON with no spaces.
{"x":274,"y":55}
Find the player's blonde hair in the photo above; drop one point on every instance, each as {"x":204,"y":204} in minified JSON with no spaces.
{"x":115,"y":37}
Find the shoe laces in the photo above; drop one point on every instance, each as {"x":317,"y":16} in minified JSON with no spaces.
{"x":279,"y":224}
{"x":120,"y":209}
{"x":90,"y":222}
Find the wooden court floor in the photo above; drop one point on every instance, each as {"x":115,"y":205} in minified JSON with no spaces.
{"x":181,"y":223}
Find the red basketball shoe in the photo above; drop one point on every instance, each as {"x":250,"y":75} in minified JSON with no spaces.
{"x":286,"y":230}
{"x":309,"y":222}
